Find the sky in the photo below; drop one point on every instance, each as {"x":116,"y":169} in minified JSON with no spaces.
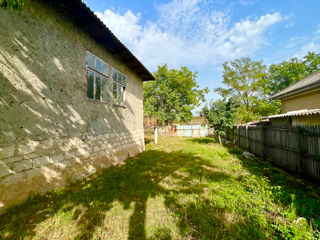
{"x":203,"y":34}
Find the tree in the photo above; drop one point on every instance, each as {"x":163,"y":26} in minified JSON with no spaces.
{"x":286,"y":73}
{"x":13,"y":4}
{"x":220,"y":115}
{"x":244,"y":80}
{"x":173,"y":95}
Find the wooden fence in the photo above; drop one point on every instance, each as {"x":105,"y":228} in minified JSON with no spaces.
{"x":296,"y":148}
{"x":184,"y":130}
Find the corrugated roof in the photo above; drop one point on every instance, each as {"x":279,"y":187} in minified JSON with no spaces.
{"x":303,"y":112}
{"x":91,"y":24}
{"x":311,"y":81}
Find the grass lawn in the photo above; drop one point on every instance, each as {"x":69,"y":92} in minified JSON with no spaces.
{"x":182,"y":188}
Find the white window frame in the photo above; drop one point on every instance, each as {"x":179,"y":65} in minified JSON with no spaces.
{"x":124,"y":86}
{"x":95,"y":72}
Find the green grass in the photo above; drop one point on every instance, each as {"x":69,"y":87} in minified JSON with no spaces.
{"x":182,"y":188}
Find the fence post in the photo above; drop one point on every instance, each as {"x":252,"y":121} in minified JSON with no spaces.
{"x":300,"y":151}
{"x":156,"y":135}
{"x":247,"y":138}
{"x":262,"y":142}
{"x":238,"y":132}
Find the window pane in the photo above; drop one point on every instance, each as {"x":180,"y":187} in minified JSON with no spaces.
{"x":122,"y":95}
{"x":90,"y":84}
{"x":119,"y":77}
{"x":98,"y":65}
{"x":105,"y":69}
{"x":98,"y":87}
{"x":119,"y":94}
{"x":114,"y":75}
{"x":90,"y":59}
{"x":104,"y":90}
{"x":115,"y":93}
{"x":124,"y":80}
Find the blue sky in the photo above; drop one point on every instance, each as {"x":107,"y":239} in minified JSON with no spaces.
{"x":202,"y":34}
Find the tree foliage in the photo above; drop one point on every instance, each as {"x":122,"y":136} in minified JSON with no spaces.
{"x":12,"y":4}
{"x":220,"y":115}
{"x":173,"y":95}
{"x":245,"y":81}
{"x":286,"y":73}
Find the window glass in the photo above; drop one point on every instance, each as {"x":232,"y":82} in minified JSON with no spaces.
{"x":101,"y":67}
{"x":114,"y":75}
{"x":119,"y":95}
{"x":98,"y":65}
{"x":124,"y":79}
{"x":115,"y":93}
{"x":98,"y":87}
{"x":90,"y":59}
{"x":90,"y":84}
{"x":105,"y":69}
{"x":104,"y":89}
{"x":122,"y":95}
{"x":119,"y":77}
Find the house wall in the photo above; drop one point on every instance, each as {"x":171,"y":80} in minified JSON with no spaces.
{"x":307,"y":100}
{"x":295,"y":121}
{"x":279,"y":122}
{"x":49,"y":130}
{"x":306,"y":120}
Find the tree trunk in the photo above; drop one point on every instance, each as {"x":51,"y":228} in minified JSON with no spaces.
{"x":219,"y":137}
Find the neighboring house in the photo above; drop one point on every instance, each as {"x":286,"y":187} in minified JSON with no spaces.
{"x":300,"y":103}
{"x":71,"y":97}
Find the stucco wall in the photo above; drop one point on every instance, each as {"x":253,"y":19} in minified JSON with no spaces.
{"x":49,"y":130}
{"x":279,"y":122}
{"x":296,"y":121}
{"x":307,"y":100}
{"x":306,"y":120}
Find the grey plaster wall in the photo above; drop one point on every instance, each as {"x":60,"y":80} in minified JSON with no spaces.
{"x":45,"y":116}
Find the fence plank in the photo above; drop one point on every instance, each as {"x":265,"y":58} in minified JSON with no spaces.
{"x":295,"y":148}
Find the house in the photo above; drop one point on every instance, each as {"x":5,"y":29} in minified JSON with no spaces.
{"x":300,"y":103}
{"x":71,"y":97}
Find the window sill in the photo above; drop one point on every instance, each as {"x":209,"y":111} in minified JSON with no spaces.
{"x":96,"y":101}
{"x":121,"y":106}
{"x":106,"y":103}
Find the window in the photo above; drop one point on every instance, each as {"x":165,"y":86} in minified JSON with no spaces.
{"x":119,"y":87}
{"x":97,"y":76}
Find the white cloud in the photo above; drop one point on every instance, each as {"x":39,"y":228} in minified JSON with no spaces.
{"x":301,"y":45}
{"x":188,"y":32}
{"x":309,"y":47}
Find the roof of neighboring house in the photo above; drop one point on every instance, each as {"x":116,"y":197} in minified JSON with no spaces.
{"x":303,"y":112}
{"x":90,"y":23}
{"x":309,"y":82}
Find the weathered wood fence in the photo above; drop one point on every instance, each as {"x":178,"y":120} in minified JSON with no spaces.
{"x":296,"y":148}
{"x":184,"y":130}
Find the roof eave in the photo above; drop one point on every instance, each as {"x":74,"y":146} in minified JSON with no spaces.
{"x":299,"y":90}
{"x":98,"y":30}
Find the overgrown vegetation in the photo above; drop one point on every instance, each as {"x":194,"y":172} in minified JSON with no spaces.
{"x":221,"y":115}
{"x":182,"y":188}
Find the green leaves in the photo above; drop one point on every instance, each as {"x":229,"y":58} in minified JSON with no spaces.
{"x":220,"y":115}
{"x":173,"y":95}
{"x":284,"y":74}
{"x":245,"y":82}
{"x":13,"y":4}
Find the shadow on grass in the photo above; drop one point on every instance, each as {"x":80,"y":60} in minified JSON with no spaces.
{"x":131,"y":184}
{"x":286,"y":190}
{"x":148,"y":139}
